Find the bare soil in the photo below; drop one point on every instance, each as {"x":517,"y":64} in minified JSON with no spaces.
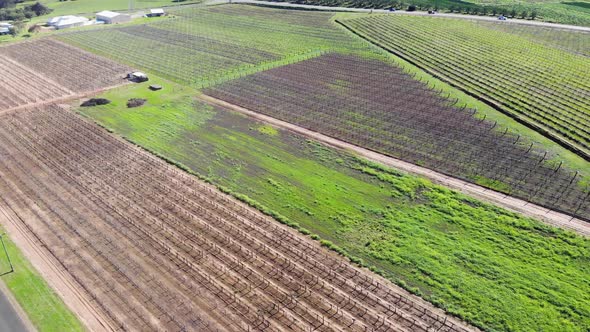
{"x":47,"y":70}
{"x":157,"y":249}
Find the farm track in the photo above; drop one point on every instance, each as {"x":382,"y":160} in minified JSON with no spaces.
{"x":548,"y":216}
{"x":156,"y":249}
{"x":389,"y":112}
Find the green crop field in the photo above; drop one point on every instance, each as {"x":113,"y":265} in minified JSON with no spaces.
{"x":207,"y":45}
{"x":576,"y":42}
{"x":44,"y":308}
{"x":476,"y":261}
{"x":542,"y":86}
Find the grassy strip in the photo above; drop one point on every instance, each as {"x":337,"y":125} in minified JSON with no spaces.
{"x":474,"y":260}
{"x":43,"y":306}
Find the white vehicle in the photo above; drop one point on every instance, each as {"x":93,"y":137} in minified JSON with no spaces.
{"x":502,"y":18}
{"x":137,"y":77}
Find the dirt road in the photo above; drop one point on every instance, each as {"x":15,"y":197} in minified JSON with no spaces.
{"x":513,"y":204}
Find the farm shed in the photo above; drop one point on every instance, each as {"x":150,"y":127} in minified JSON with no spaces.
{"x":156,"y":12}
{"x":5,"y":28}
{"x":109,"y":17}
{"x":68,"y":21}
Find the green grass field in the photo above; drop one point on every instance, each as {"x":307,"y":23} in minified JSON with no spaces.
{"x":543,"y":86}
{"x":44,"y":308}
{"x":576,"y":42}
{"x":207,"y":45}
{"x":475,"y":260}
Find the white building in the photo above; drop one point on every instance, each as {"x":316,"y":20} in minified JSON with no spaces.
{"x":109,"y":17}
{"x":5,"y":28}
{"x":156,"y":12}
{"x":68,"y":21}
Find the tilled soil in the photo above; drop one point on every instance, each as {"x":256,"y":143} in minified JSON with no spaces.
{"x":47,"y":70}
{"x":157,"y":249}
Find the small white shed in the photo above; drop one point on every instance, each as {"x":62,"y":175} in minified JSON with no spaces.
{"x":156,"y":12}
{"x":5,"y":28}
{"x":109,"y":17}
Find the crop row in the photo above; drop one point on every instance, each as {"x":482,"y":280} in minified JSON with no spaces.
{"x":207,"y":43}
{"x":21,"y":86}
{"x":69,"y":67}
{"x":576,"y":42}
{"x":373,"y":105}
{"x":158,"y":249}
{"x":542,"y":86}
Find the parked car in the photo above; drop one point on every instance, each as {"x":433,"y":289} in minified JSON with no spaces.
{"x":502,"y":18}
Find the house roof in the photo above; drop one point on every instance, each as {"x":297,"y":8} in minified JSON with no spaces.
{"x":157,"y":11}
{"x":67,"y":20}
{"x":108,"y":13}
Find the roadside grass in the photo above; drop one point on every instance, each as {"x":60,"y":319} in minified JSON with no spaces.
{"x":493,"y":268}
{"x":42,"y":305}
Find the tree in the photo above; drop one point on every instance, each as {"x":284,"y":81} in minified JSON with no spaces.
{"x":533,"y":14}
{"x":40,"y":9}
{"x":7,"y":3}
{"x":513,"y":13}
{"x":524,"y":14}
{"x":412,"y":8}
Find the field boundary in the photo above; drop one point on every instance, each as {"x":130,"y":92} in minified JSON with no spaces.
{"x":53,"y":273}
{"x":62,"y":99}
{"x":494,"y":104}
{"x":548,"y":216}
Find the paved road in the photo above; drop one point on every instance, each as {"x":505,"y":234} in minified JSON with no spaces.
{"x":9,"y":319}
{"x":401,"y":12}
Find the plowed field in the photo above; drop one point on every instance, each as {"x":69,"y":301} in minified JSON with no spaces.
{"x":47,"y":70}
{"x":159,"y":250}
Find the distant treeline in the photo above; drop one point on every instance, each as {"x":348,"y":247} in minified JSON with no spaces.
{"x":10,"y":12}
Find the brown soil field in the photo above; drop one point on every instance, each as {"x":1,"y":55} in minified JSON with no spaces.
{"x":48,"y":70}
{"x":158,"y":249}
